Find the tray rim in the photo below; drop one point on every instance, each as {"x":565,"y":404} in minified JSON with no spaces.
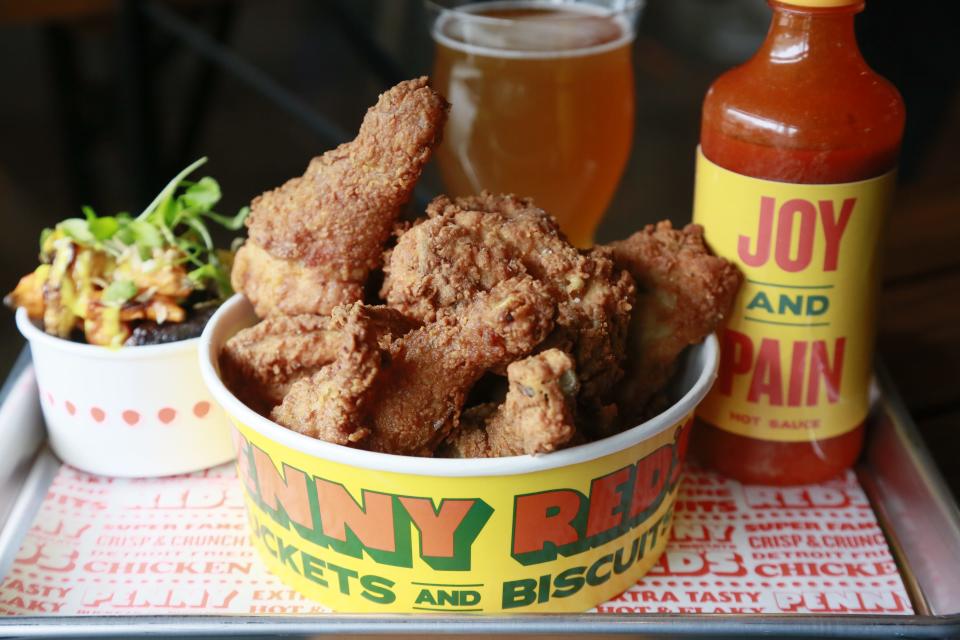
{"x":673,"y":625}
{"x":919,"y":625}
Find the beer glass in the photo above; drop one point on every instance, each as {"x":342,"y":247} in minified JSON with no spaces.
{"x":542,"y":102}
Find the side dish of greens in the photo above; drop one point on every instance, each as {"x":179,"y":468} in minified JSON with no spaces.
{"x":123,"y":280}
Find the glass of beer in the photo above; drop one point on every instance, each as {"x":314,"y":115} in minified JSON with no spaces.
{"x":542,"y":102}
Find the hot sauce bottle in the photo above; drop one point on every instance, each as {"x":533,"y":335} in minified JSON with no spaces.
{"x":794,"y":171}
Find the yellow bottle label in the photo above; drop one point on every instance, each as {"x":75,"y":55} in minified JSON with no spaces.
{"x":796,"y":353}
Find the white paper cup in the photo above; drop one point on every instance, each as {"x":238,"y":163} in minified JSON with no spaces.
{"x":134,"y":412}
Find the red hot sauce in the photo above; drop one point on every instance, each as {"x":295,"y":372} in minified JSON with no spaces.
{"x":794,"y":172}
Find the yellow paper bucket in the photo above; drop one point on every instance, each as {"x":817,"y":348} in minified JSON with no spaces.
{"x":368,"y":532}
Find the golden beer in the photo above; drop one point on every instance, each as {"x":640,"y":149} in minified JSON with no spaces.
{"x":542,"y":105}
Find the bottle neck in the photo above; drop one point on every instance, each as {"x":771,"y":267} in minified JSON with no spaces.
{"x":798,"y":35}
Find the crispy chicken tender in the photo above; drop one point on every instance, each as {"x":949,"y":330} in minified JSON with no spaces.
{"x":314,"y":240}
{"x":407,"y":397}
{"x":536,"y":417}
{"x":326,"y":404}
{"x":467,"y":245}
{"x":683,"y":294}
{"x":287,"y":287}
{"x":260,"y":363}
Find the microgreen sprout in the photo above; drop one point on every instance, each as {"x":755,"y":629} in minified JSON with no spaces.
{"x":176,"y":218}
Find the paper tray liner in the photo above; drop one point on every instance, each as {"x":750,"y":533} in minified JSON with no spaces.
{"x":179,"y":545}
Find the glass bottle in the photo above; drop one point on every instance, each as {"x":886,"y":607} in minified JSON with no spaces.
{"x":795,"y":169}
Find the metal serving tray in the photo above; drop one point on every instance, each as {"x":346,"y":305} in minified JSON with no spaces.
{"x":908,"y":495}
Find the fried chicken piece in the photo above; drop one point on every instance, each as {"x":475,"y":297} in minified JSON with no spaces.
{"x":407,"y":397}
{"x":287,"y":287}
{"x":536,"y":417}
{"x":314,"y":240}
{"x":468,"y":245}
{"x":327,"y":403}
{"x":683,"y":294}
{"x":260,"y":363}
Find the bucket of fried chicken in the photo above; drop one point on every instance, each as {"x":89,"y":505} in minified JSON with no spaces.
{"x":368,"y":531}
{"x":464,"y":413}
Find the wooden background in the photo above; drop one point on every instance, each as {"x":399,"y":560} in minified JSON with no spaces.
{"x":919,"y":313}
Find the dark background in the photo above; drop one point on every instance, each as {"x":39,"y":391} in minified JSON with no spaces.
{"x":100,"y":107}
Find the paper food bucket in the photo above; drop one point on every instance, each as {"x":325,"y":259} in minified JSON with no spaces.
{"x":131,"y":412}
{"x":369,"y":532}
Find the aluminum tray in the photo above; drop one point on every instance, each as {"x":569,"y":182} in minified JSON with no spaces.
{"x":910,"y":499}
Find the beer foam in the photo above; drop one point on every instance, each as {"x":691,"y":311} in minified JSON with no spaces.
{"x":540,"y":37}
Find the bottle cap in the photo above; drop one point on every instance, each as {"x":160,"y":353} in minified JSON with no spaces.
{"x":820,"y":4}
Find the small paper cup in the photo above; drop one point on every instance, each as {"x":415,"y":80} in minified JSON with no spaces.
{"x":370,"y":532}
{"x":133,"y":412}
